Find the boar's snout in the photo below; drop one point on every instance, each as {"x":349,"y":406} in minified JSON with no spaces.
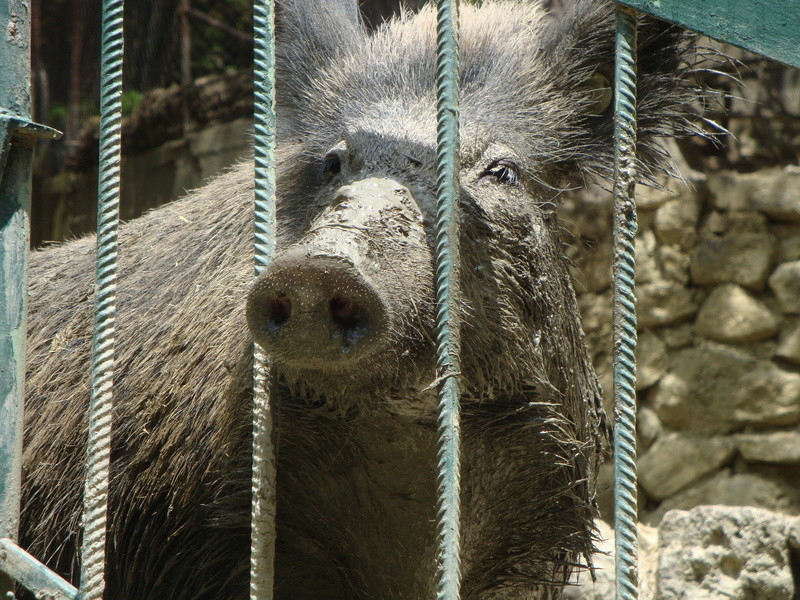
{"x":316,"y":311}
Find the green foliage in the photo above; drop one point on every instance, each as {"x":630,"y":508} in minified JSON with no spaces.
{"x":214,"y":50}
{"x":57,"y":117}
{"x":130,"y":100}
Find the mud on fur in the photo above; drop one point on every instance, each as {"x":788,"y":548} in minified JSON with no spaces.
{"x":347,"y":311}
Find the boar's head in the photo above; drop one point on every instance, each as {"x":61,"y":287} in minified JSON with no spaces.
{"x":348,"y":305}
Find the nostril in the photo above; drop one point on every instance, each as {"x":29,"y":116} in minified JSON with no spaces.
{"x":310,"y":310}
{"x":279,"y":309}
{"x":344,"y":312}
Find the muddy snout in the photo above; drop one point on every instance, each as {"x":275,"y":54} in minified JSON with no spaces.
{"x":316,"y":311}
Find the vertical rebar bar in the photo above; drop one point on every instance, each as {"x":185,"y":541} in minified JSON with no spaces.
{"x":262,"y":550}
{"x":447,"y":298}
{"x":624,"y":318}
{"x":15,"y":201}
{"x":98,"y":450}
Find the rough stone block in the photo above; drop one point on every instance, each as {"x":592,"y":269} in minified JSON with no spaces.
{"x":789,"y":248}
{"x":742,"y":489}
{"x":663,"y":303}
{"x":720,"y":553}
{"x":674,"y":263}
{"x":675,"y":460}
{"x":713,"y":389}
{"x":789,"y":345}
{"x":650,"y":198}
{"x":645,"y":248}
{"x":648,"y":427}
{"x":651,"y":360}
{"x":785,"y":282}
{"x":773,"y":192}
{"x":675,"y":222}
{"x":729,"y":190}
{"x":679,"y":336}
{"x":776,"y":447}
{"x":779,"y":198}
{"x":730,"y":314}
{"x":734,"y":249}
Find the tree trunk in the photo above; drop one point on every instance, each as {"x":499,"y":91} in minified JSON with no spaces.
{"x":74,"y":102}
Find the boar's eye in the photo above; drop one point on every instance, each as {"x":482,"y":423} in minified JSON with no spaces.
{"x":332,"y":165}
{"x":503,"y":170}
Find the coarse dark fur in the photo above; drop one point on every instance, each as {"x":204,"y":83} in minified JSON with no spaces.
{"x":356,"y":488}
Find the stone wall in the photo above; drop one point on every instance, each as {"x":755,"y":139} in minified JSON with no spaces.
{"x":718,"y":298}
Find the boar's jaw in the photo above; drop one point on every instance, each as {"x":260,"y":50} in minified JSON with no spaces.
{"x":316,"y":311}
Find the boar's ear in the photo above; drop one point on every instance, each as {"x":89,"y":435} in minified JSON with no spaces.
{"x":579,"y":42}
{"x":311,"y":35}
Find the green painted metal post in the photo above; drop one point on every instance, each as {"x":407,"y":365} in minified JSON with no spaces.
{"x":262,"y":547}
{"x":770,"y":28}
{"x":624,"y":308}
{"x":448,"y":338}
{"x":33,"y":575}
{"x":15,"y":194}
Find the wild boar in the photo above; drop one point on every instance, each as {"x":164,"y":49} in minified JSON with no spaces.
{"x":346,"y":312}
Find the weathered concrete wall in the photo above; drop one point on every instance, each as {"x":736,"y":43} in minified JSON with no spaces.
{"x":718,"y":297}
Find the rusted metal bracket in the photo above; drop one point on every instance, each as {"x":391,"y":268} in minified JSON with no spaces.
{"x":17,"y":129}
{"x":33,"y":575}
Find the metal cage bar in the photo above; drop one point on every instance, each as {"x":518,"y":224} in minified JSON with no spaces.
{"x":17,"y":136}
{"x":33,"y":575}
{"x":624,"y":307}
{"x":447,"y":297}
{"x":98,"y":450}
{"x":262,"y":550}
{"x":15,"y":198}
